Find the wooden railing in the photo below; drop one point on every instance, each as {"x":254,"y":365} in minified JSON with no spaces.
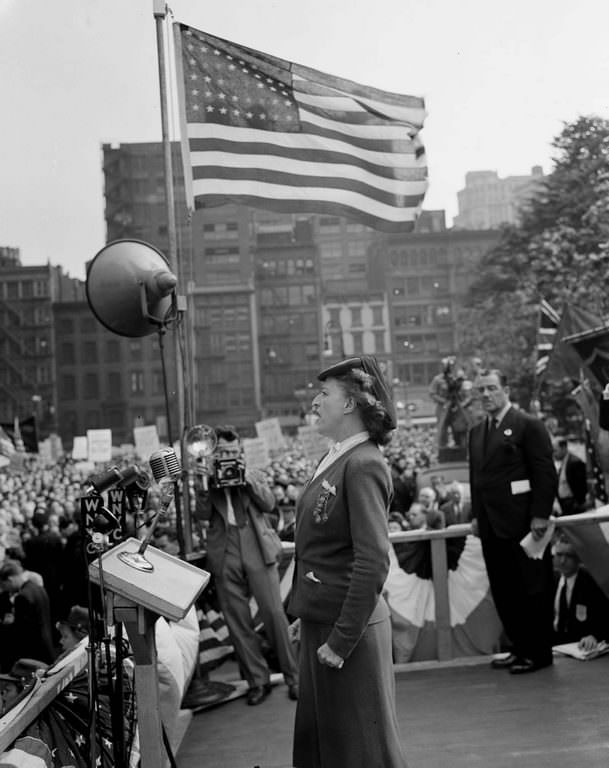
{"x":11,"y":726}
{"x":15,"y":722}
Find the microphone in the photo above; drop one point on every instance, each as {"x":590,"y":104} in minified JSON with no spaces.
{"x":166,"y":470}
{"x":111,"y":477}
{"x":165,"y":464}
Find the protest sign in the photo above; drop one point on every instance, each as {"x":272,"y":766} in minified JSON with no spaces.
{"x":146,"y":441}
{"x":255,"y":453}
{"x":99,"y":445}
{"x":270,"y":431}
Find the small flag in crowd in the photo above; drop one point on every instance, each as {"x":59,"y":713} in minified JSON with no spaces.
{"x":546,"y":335}
{"x":6,"y":444}
{"x":269,"y":133}
{"x":594,"y":468}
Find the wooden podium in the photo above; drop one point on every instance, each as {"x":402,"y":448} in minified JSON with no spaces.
{"x":137,"y":598}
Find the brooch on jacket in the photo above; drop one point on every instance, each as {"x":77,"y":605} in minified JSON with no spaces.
{"x":320,"y":510}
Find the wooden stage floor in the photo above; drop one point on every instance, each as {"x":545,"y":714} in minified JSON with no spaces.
{"x":451,"y":716}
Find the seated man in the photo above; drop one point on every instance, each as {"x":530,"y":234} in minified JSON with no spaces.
{"x":455,"y":510}
{"x":433,"y":517}
{"x":581,"y":609}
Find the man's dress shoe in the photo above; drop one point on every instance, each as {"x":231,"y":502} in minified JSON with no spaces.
{"x":293,"y":691}
{"x":504,"y":662}
{"x":258,"y":693}
{"x":522,"y":666}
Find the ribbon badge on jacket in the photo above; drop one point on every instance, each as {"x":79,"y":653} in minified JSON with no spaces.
{"x":320,"y":510}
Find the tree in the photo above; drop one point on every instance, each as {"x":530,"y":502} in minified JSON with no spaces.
{"x":559,"y":251}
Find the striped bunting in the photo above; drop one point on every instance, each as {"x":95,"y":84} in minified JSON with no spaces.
{"x":549,"y":320}
{"x":28,"y":752}
{"x":272,"y":134}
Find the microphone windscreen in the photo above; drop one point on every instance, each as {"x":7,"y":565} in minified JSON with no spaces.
{"x":165,"y":464}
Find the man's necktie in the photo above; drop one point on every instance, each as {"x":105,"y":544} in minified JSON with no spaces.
{"x":562,"y":608}
{"x":489,"y":428}
{"x":238,"y":508}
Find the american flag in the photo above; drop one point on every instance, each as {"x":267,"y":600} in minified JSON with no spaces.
{"x":549,"y":320}
{"x":265,"y":132}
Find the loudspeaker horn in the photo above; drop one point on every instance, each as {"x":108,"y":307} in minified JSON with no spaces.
{"x":130,"y":288}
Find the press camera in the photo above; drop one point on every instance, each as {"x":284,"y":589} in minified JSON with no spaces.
{"x":217,"y":462}
{"x":227,"y":473}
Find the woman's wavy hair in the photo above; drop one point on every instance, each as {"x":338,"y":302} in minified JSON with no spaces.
{"x":360,"y":386}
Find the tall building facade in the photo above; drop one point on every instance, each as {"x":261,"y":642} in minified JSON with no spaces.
{"x":488,"y":201}
{"x":27,"y":339}
{"x":426,"y":276}
{"x":105,"y":381}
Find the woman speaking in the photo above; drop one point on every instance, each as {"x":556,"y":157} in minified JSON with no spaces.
{"x":345,"y":717}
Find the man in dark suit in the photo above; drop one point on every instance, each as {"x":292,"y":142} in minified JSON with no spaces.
{"x":31,"y":626}
{"x":454,"y":509}
{"x":242,"y":554}
{"x":572,"y":478}
{"x":513,"y":485}
{"x":581,"y":608}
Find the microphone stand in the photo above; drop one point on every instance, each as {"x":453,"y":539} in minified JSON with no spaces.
{"x":138,"y":559}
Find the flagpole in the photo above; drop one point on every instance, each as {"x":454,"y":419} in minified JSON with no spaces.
{"x":159,"y":10}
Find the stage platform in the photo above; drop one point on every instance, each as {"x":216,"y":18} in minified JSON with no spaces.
{"x":451,"y":714}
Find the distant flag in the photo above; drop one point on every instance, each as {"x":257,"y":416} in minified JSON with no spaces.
{"x":589,"y":534}
{"x":546,"y":335}
{"x":19,"y":446}
{"x":6,"y":444}
{"x":594,"y":468}
{"x":265,"y":132}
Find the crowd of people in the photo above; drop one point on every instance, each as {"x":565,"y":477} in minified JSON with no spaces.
{"x":333,"y":638}
{"x":41,"y":543}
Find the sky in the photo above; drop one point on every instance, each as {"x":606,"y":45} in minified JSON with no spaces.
{"x":499,"y":79}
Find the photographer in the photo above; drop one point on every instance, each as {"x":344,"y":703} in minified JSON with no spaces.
{"x":242,"y":554}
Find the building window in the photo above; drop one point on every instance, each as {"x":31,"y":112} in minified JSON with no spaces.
{"x":91,"y":386}
{"x":41,"y":316}
{"x":114,"y":384}
{"x":377,"y":315}
{"x":356,"y":317}
{"x":43,"y":374}
{"x":157,"y":382}
{"x":68,"y":387}
{"x":334,"y":314}
{"x":87,"y":325}
{"x":89,"y":352}
{"x":135,"y":349}
{"x":379,"y":341}
{"x":41,"y":288}
{"x":113,"y":351}
{"x":65,"y":325}
{"x":136,"y":380}
{"x":66,"y":353}
{"x":358,"y":342}
{"x":442,"y":314}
